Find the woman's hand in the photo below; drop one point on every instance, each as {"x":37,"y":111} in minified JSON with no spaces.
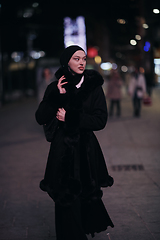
{"x":60,"y":84}
{"x":61,"y":114}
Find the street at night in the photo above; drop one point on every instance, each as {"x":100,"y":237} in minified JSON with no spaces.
{"x":118,"y":40}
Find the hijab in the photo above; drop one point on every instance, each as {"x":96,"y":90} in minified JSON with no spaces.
{"x":71,"y":77}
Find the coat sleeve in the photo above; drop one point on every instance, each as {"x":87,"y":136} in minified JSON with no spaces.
{"x":47,"y":109}
{"x":96,"y":119}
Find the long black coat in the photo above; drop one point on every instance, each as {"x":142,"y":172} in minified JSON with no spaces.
{"x":75,"y":165}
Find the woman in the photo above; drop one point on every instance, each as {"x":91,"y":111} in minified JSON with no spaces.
{"x":76,"y":169}
{"x":137,"y":90}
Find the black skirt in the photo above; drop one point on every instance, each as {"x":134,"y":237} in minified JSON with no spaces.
{"x":81,"y":218}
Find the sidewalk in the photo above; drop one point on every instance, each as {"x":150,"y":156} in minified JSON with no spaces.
{"x":132,"y":150}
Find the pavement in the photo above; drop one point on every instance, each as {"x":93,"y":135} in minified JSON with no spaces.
{"x":131,"y":147}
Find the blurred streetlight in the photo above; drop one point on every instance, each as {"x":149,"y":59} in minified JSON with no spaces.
{"x":121,"y":21}
{"x":156,"y":11}
{"x":138,"y":37}
{"x":106,"y":66}
{"x":145,"y":25}
{"x":114,"y":66}
{"x":124,"y":68}
{"x":133,"y":42}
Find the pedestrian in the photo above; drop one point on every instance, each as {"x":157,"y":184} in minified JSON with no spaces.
{"x":114,"y":92}
{"x":76,"y":169}
{"x":47,"y":78}
{"x":137,"y":91}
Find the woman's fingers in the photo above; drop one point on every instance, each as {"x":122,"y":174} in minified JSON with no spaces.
{"x":60,"y":84}
{"x":63,"y":83}
{"x":61,"y":114}
{"x":61,"y":79}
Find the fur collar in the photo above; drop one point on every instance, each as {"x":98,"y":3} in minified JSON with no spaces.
{"x":92,"y":79}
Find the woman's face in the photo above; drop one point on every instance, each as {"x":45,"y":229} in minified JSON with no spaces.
{"x":78,"y":62}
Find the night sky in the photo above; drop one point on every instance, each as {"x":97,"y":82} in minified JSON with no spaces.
{"x":46,"y":22}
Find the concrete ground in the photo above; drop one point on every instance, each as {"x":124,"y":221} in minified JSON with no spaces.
{"x":132,"y":151}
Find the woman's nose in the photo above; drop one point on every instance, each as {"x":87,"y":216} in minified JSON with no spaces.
{"x":81,"y":62}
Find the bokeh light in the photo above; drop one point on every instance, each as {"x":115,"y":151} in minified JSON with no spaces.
{"x":133,"y":42}
{"x":98,"y":59}
{"x":145,"y":25}
{"x":121,"y":21}
{"x":92,"y":52}
{"x":138,"y":37}
{"x":156,"y":11}
{"x":124,"y":68}
{"x":106,"y":66}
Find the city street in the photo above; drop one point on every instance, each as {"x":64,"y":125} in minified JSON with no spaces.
{"x":131,"y":147}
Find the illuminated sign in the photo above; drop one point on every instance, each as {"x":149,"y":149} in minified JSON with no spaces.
{"x":75,"y":32}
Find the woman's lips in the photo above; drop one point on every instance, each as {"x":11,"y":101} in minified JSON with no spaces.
{"x":81,"y":68}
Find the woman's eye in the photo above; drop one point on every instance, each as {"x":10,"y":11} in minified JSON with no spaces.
{"x":76,"y":59}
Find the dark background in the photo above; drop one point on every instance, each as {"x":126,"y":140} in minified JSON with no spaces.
{"x":47,"y":21}
{"x":102,"y":30}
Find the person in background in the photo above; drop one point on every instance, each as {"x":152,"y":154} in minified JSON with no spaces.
{"x":76,"y":169}
{"x":137,"y":90}
{"x":114,"y":93}
{"x":47,"y":78}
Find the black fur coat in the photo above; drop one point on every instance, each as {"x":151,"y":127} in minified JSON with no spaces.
{"x":75,"y":166}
